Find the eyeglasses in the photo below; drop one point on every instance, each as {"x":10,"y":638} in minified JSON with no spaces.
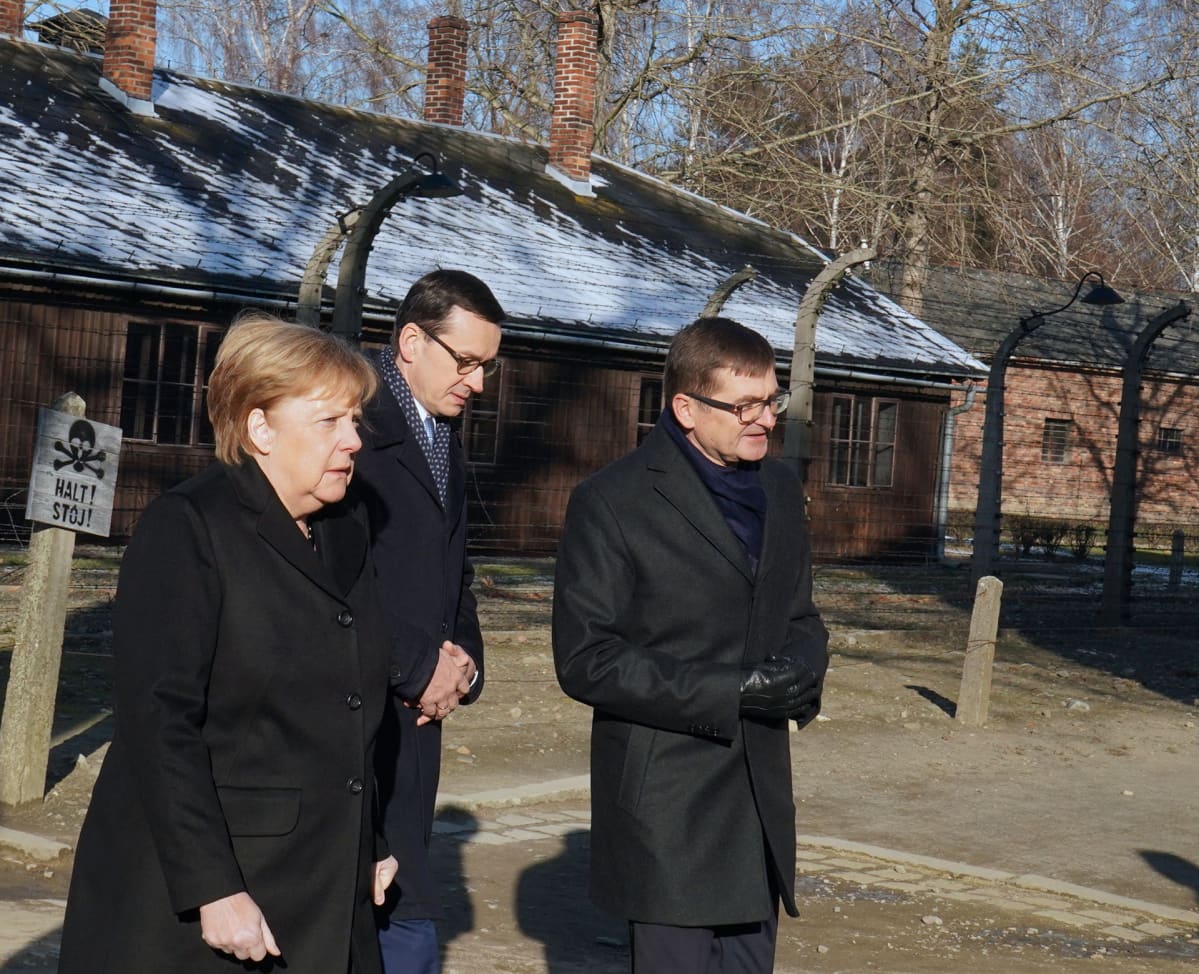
{"x":466,"y":364}
{"x":749,"y":412}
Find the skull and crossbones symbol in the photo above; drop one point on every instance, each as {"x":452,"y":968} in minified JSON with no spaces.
{"x":81,"y":452}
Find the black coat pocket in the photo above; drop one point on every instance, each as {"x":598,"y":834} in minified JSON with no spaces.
{"x":260,"y":811}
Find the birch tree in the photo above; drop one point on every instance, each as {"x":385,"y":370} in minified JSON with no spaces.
{"x":991,"y":132}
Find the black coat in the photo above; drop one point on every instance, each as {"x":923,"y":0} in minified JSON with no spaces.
{"x":424,"y":578}
{"x":250,"y":681}
{"x":655,"y":613}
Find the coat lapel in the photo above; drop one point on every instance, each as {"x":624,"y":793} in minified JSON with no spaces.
{"x":679,"y":484}
{"x":412,"y":458}
{"x":390,"y":431}
{"x":342,"y":548}
{"x":775,"y":498}
{"x":455,"y":494}
{"x":277,"y":528}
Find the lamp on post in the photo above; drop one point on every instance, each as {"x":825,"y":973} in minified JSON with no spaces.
{"x":351,"y":275}
{"x":990,"y":474}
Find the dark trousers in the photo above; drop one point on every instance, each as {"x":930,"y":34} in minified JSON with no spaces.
{"x":744,"y":948}
{"x":410,"y":947}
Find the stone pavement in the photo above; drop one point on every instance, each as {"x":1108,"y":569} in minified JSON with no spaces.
{"x":29,"y":935}
{"x":1047,"y":901}
{"x":552,"y":810}
{"x":871,"y":866}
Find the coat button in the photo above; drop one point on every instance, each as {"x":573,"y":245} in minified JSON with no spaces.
{"x":354,"y":786}
{"x":354,"y":701}
{"x":445,"y":626}
{"x":396,"y":672}
{"x":345,"y":618}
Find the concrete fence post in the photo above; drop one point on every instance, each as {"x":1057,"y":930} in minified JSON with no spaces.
{"x":798,"y":423}
{"x":1177,"y":550}
{"x":974,"y":698}
{"x":37,"y":654}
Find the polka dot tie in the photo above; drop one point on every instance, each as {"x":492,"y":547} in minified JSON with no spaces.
{"x":437,"y":452}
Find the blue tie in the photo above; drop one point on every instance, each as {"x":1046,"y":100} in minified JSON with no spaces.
{"x":431,"y":429}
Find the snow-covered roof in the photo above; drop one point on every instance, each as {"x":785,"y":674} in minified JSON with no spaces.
{"x":233,"y":185}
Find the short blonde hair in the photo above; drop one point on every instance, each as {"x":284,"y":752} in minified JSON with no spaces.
{"x":263,"y":359}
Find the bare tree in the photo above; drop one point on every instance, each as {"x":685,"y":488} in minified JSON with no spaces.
{"x":266,"y":42}
{"x":360,"y":52}
{"x":920,"y":129}
{"x":1029,"y":135}
{"x":1154,"y":171}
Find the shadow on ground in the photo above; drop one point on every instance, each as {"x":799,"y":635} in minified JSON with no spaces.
{"x":1175,"y":868}
{"x":936,"y":699}
{"x":451,"y":874}
{"x":1053,"y":606}
{"x":40,"y":957}
{"x":540,"y":893}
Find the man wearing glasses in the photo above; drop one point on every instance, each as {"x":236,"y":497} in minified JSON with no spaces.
{"x":412,"y":475}
{"x":683,"y":616}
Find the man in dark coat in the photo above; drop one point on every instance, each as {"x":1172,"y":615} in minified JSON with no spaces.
{"x":683,"y":615}
{"x":412,"y":475}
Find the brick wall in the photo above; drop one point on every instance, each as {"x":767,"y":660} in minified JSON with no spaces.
{"x":129,"y":46}
{"x":12,"y":17}
{"x":445,"y":80}
{"x":572,"y":128}
{"x":1079,"y":486}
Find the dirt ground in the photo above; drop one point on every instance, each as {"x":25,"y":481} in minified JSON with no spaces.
{"x":519,"y":911}
{"x":1085,"y":773}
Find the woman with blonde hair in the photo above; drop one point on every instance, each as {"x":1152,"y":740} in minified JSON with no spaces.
{"x":232,"y":821}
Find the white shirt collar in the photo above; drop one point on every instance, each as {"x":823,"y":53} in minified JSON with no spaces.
{"x":424,"y":413}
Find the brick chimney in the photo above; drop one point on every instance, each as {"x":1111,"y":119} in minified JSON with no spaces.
{"x":572,"y":128}
{"x":12,"y":18}
{"x":129,"y":47}
{"x":445,"y":81}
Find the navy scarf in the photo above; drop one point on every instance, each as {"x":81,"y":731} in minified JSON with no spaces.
{"x":737,"y":490}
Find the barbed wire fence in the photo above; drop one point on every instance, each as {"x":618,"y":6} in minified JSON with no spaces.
{"x":892,"y":545}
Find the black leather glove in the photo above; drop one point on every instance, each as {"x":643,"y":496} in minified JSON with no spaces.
{"x":807,"y":711}
{"x":777,"y":687}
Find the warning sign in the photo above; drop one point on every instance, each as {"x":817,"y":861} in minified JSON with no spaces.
{"x":74,"y":473}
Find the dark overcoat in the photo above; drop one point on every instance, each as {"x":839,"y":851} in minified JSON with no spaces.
{"x":656,"y":611}
{"x":424,"y":579}
{"x":250,"y":680}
